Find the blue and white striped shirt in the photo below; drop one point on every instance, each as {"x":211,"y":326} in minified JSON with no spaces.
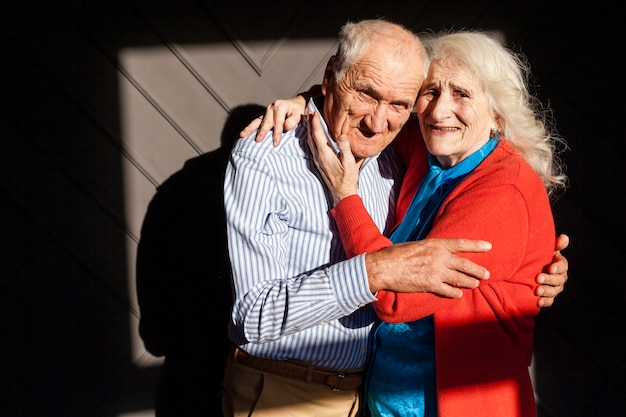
{"x":296,"y":295}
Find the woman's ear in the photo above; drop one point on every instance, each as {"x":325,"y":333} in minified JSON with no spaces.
{"x":497,"y":129}
{"x":495,"y":132}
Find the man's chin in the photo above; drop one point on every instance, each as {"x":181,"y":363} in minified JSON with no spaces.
{"x":362,"y":152}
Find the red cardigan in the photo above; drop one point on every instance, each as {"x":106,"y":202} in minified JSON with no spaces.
{"x":483,"y":341}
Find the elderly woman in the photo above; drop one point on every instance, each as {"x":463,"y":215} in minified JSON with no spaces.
{"x":490,"y":171}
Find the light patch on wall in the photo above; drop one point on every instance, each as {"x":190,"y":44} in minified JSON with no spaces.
{"x":174,"y":101}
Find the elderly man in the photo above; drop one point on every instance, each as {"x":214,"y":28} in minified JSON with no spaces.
{"x":301,"y":316}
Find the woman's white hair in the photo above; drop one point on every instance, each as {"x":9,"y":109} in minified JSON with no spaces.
{"x":504,"y":75}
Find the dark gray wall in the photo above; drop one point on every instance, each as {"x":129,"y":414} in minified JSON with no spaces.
{"x":64,"y":302}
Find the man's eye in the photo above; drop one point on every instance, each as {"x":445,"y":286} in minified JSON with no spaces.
{"x":366,"y":97}
{"x":398,"y":107}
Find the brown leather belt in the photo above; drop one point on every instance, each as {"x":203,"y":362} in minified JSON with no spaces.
{"x":336,"y":380}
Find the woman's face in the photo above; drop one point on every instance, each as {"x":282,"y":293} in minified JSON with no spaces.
{"x":454,"y":113}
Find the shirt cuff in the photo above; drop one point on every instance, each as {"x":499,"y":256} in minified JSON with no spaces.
{"x":350,"y":285}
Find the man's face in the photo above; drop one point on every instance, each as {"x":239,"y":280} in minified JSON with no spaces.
{"x":372,"y":101}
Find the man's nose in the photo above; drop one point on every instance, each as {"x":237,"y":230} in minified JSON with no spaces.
{"x":378,"y":118}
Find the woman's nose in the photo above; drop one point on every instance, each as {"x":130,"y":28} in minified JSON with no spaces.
{"x":440,"y":107}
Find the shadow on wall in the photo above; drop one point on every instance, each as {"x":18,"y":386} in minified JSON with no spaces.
{"x":183,"y":279}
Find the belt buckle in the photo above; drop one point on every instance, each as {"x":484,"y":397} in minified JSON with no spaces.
{"x":340,"y":377}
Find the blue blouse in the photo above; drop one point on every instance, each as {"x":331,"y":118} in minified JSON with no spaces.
{"x":401,"y":379}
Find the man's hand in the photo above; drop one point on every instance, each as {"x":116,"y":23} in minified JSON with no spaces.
{"x":428,"y":265}
{"x":552,"y":282}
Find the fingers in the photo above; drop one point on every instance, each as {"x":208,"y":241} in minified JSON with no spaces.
{"x":323,"y":154}
{"x":286,"y":116}
{"x":312,"y":139}
{"x":292,"y":120}
{"x":551,"y":286}
{"x":278,"y":124}
{"x":280,"y":116}
{"x":343,"y":143}
{"x":464,"y":268}
{"x":317,"y":138}
{"x":267,"y":123}
{"x":465,"y":265}
{"x":466,"y":245}
{"x":339,"y":170}
{"x":562,"y":242}
{"x":548,"y":291}
{"x":552,"y":279}
{"x":545,"y":302}
{"x":552,"y":282}
{"x":547,"y":294}
{"x":559,"y":265}
{"x":448,"y":291}
{"x":254,"y":125}
{"x":468,"y":272}
{"x":465,"y":273}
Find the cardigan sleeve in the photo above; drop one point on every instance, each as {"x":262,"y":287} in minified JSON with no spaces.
{"x":499,"y":214}
{"x":358,"y":232}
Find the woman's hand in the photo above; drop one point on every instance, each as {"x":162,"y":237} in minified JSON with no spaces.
{"x":282,"y":115}
{"x":339,"y":171}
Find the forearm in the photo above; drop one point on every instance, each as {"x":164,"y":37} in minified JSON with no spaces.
{"x":513,"y":262}
{"x":425,"y":266}
{"x":269,"y":309}
{"x":358,"y":232}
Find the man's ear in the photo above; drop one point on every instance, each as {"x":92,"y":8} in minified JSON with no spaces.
{"x":330,"y":66}
{"x":329,"y":73}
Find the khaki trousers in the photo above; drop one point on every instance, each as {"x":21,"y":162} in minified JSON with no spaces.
{"x":247,"y":392}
